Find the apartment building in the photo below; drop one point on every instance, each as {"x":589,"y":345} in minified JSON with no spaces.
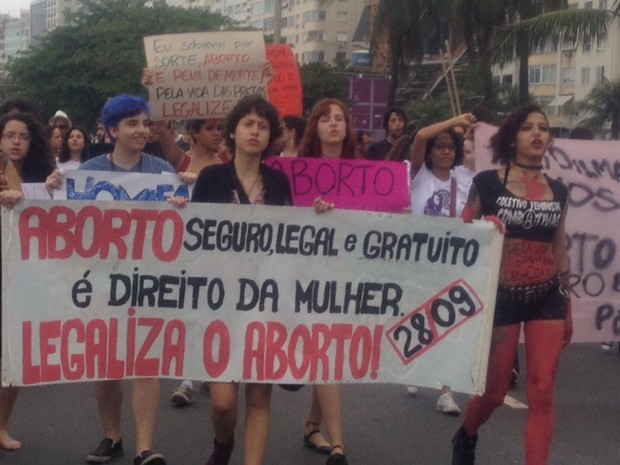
{"x":191,"y":3}
{"x":561,"y":76}
{"x":16,"y":35}
{"x":318,"y":30}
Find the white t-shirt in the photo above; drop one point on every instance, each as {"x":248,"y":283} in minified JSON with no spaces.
{"x":68,"y":165}
{"x":431,"y":196}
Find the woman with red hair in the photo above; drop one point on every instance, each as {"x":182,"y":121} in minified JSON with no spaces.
{"x":328,"y":135}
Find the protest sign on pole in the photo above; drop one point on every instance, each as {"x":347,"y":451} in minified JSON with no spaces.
{"x":285,"y":89}
{"x":203,"y":75}
{"x":350,"y":184}
{"x":591,"y":171}
{"x":244,"y":293}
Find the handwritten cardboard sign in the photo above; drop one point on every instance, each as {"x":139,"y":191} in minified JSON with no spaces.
{"x":203,"y":75}
{"x":350,"y":184}
{"x":285,"y":89}
{"x":244,"y":293}
{"x":591,"y":171}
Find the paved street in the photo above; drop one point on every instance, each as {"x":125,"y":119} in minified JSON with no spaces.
{"x":383,"y":425}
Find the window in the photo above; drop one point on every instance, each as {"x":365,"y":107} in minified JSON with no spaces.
{"x":315,"y":15}
{"x":602,"y":4}
{"x":314,"y":36}
{"x":568,"y":75}
{"x":588,"y":5}
{"x":544,"y":74}
{"x":585,"y":75}
{"x":601,"y":40}
{"x":341,"y":37}
{"x":288,"y":21}
{"x":313,"y":56}
{"x":599,"y":72}
{"x":587,"y":44}
{"x":342,"y":16}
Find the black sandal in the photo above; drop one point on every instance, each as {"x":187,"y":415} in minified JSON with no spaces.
{"x":311,"y":445}
{"x":337,"y":458}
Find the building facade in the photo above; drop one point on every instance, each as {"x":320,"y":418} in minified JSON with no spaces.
{"x":559,"y":77}
{"x":318,"y":30}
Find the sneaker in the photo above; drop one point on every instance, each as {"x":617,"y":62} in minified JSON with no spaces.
{"x":413,"y":390}
{"x":150,"y":458}
{"x":182,"y":395}
{"x":446,"y":404}
{"x":105,"y":451}
{"x":606,"y":346}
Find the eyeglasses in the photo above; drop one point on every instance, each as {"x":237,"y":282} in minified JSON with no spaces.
{"x":442,"y":147}
{"x":14,"y":135}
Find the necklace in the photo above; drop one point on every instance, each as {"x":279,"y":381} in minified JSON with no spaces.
{"x":247,"y":191}
{"x":528,"y":167}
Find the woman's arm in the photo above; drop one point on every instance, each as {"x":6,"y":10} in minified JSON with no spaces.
{"x":173,"y":153}
{"x":559,"y":250}
{"x":466,"y":120}
{"x":473,"y":207}
{"x":561,"y":255}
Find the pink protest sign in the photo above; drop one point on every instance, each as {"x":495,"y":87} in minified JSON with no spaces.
{"x":350,"y":184}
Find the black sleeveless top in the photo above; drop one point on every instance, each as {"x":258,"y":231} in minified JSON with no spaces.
{"x":533,"y":220}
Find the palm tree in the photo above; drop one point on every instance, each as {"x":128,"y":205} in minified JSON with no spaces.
{"x":397,"y":24}
{"x":498,"y":31}
{"x":536,"y":24}
{"x":603,"y":103}
{"x":408,"y":28}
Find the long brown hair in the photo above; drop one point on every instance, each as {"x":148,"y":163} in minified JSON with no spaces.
{"x":311,"y":145}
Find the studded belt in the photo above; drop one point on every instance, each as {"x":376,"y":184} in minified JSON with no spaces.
{"x":530,"y":294}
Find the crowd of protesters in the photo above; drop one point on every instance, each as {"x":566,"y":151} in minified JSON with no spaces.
{"x":224,"y":160}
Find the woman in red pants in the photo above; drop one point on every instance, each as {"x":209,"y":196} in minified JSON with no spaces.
{"x":533,"y":287}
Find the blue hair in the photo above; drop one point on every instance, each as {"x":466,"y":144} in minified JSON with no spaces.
{"x":121,"y":107}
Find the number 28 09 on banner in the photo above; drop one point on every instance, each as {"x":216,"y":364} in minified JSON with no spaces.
{"x":428,"y":324}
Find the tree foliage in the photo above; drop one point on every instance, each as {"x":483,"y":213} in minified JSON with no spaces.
{"x":411,"y":29}
{"x":99,"y":54}
{"x":322,"y":80}
{"x":603,"y":104}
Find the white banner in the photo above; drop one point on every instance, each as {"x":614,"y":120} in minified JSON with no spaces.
{"x":591,"y":171}
{"x":101,"y":290}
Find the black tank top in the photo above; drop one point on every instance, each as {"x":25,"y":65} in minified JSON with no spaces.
{"x":533,"y":220}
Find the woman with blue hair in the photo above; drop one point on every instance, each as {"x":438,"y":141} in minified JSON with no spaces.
{"x":127,"y":123}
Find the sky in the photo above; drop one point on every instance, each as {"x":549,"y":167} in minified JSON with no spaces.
{"x":12,"y":7}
